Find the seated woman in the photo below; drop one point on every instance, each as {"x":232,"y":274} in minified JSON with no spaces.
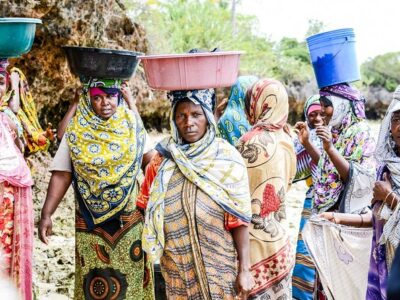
{"x":101,"y":154}
{"x":232,"y":121}
{"x":198,"y":207}
{"x":271,"y":164}
{"x":16,"y":206}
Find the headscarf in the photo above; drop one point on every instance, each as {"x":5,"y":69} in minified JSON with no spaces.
{"x":305,"y":165}
{"x":225,"y":182}
{"x":7,"y":96}
{"x":312,"y":103}
{"x":233,"y":122}
{"x":269,"y":107}
{"x":351,"y":138}
{"x":346,"y":91}
{"x":106,"y":156}
{"x":34,"y":135}
{"x":385,"y":155}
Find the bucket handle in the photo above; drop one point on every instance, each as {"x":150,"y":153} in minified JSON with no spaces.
{"x":341,"y":47}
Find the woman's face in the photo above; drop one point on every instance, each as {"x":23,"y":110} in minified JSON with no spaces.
{"x":395,"y":127}
{"x":3,"y":85}
{"x":104,"y":105}
{"x":326,"y":112}
{"x":315,"y":118}
{"x":191,"y":121}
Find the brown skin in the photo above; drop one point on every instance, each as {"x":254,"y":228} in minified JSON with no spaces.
{"x":62,"y":126}
{"x":315,"y":119}
{"x":190,"y":121}
{"x":323,"y":132}
{"x":192,"y":126}
{"x":354,"y":220}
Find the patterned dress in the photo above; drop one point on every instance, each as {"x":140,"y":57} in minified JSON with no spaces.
{"x":106,"y":156}
{"x":16,"y":213}
{"x":271,"y":164}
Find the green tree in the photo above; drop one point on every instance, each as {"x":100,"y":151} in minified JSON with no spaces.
{"x":382,"y":70}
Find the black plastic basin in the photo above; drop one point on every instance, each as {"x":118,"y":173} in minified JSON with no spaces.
{"x":101,"y":62}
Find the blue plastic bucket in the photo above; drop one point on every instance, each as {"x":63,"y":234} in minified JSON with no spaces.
{"x":333,"y":56}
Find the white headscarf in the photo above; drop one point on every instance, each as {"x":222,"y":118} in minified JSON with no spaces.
{"x":386,"y":155}
{"x":384,"y":152}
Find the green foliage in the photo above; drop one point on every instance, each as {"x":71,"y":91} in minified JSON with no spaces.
{"x":176,"y":26}
{"x":383,"y":70}
{"x":314,"y":27}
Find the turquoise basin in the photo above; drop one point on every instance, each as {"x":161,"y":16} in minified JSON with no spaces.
{"x":16,"y":35}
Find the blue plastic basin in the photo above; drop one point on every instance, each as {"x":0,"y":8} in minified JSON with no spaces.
{"x":333,"y":56}
{"x":16,"y":35}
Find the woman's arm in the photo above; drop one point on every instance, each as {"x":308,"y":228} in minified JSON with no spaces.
{"x":128,"y":97}
{"x":14,"y":101}
{"x":361,"y":220}
{"x":244,"y":280}
{"x":341,"y":164}
{"x":68,"y":116}
{"x":58,"y":186}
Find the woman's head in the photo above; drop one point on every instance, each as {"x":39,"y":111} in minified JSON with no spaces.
{"x":104,"y":103}
{"x":326,"y":109}
{"x":190,"y":121}
{"x":395,"y":128}
{"x":267,"y":103}
{"x":192,"y":114}
{"x":104,"y":95}
{"x":313,"y":112}
{"x":345,"y":101}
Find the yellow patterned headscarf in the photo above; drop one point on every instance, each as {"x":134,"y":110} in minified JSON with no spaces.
{"x":34,"y":135}
{"x":106,"y":156}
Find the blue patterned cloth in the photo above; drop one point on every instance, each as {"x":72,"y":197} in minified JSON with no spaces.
{"x":233,"y":122}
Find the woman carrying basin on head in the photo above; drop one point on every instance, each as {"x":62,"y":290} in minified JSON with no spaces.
{"x":197,"y":206}
{"x":101,"y":154}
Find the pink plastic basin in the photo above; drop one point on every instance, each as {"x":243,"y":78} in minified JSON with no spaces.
{"x":191,"y":70}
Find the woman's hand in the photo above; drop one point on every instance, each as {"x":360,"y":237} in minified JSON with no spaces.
{"x":331,"y":217}
{"x":244,"y":284}
{"x":382,"y":189}
{"x":78,"y":93}
{"x":220,"y":109}
{"x":302,"y":131}
{"x":127,"y":95}
{"x":325,"y":135}
{"x":45,"y":229}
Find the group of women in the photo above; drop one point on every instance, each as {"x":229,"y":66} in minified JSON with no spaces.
{"x":212,"y":206}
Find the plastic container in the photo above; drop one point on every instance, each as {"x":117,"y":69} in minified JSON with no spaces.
{"x":16,"y":36}
{"x":101,"y":62}
{"x":191,"y":70}
{"x":333,"y":56}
